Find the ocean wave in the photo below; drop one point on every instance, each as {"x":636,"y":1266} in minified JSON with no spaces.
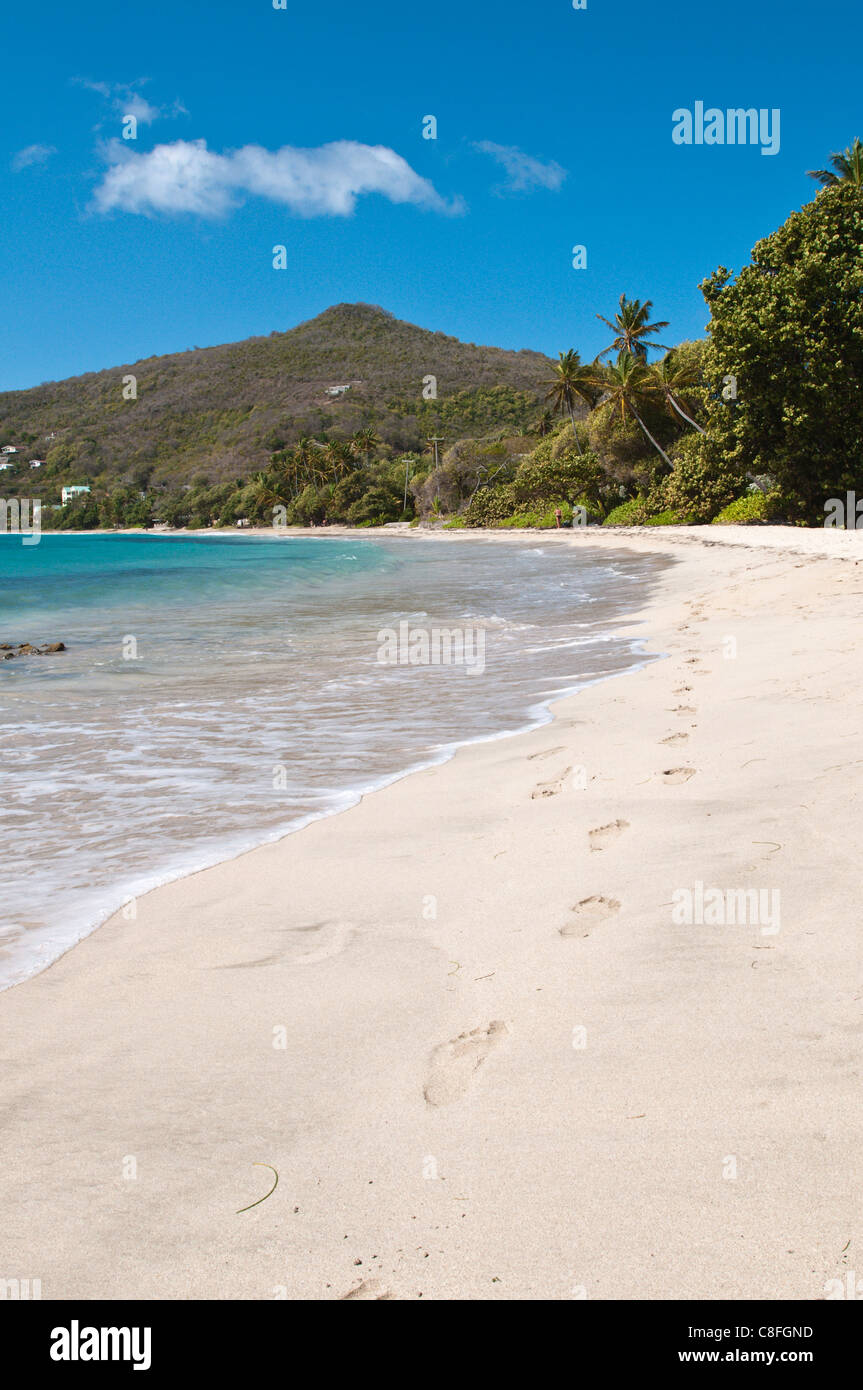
{"x":229,"y":737}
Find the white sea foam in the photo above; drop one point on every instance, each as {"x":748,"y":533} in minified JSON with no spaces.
{"x":257,"y":704}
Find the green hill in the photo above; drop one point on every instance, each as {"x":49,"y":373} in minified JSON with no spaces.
{"x":222,"y":411}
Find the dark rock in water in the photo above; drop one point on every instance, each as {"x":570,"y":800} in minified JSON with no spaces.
{"x":27,"y":649}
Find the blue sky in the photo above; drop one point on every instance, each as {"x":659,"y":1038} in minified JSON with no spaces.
{"x":553,"y":129}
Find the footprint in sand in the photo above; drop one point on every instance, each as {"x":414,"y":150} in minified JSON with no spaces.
{"x":325,"y":939}
{"x":368,"y":1289}
{"x":588,"y":913}
{"x":675,"y":738}
{"x":550,"y":788}
{"x":683,"y":709}
{"x":603,"y":835}
{"x":673,"y":775}
{"x":454,"y":1063}
{"x":543,"y":753}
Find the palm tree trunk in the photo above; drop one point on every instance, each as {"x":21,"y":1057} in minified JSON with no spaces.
{"x":656,"y":446}
{"x":683,"y":415}
{"x":575,"y":431}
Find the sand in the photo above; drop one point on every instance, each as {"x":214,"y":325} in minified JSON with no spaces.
{"x":460,"y":1021}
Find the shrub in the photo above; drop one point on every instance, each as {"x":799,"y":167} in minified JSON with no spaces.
{"x":310,"y":506}
{"x":544,"y":520}
{"x":546,"y":479}
{"x":629,"y":513}
{"x":489,"y":505}
{"x":754,"y":508}
{"x":557,"y":479}
{"x":626,"y":455}
{"x":562,"y":442}
{"x":376,"y":507}
{"x":701,"y":483}
{"x":346,"y":492}
{"x":594,"y":512}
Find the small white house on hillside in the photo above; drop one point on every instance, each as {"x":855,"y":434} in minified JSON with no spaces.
{"x":8,"y":449}
{"x":67,"y":493}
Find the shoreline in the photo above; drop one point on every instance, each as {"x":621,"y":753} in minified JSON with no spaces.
{"x":352,"y":796}
{"x":247,"y":840}
{"x":805,"y":540}
{"x":436,"y":1130}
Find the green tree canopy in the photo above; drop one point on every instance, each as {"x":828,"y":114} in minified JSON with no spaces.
{"x":784,"y":365}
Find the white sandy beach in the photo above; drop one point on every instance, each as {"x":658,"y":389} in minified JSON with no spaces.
{"x":440,"y":1125}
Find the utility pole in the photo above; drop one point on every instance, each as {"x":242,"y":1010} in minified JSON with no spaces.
{"x":436,"y":439}
{"x":407,"y":463}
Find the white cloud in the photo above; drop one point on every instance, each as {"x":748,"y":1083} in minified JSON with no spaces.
{"x":126,"y":100}
{"x":187,"y":177}
{"x":523,"y":172}
{"x":135,"y":105}
{"x":33,"y":154}
{"x":103,"y":88}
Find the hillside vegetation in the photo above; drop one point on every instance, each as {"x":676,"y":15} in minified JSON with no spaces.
{"x":761,"y":421}
{"x":223,"y":411}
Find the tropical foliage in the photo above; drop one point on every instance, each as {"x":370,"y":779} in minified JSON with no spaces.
{"x":847,"y":167}
{"x":761,"y":421}
{"x":631,"y":326}
{"x":573,"y":384}
{"x":787,"y":335}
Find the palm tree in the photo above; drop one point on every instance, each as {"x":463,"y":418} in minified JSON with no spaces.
{"x":338,"y":456}
{"x":282,"y":476}
{"x":294,"y":463}
{"x":543,"y":424}
{"x":318,"y":462}
{"x":627,"y":385}
{"x":631,"y":326}
{"x":847,"y":167}
{"x":304,"y":458}
{"x":572,"y":380}
{"x":674,"y":378}
{"x":365,"y":442}
{"x":270,"y":492}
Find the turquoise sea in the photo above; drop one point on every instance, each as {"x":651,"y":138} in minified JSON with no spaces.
{"x":221,"y":690}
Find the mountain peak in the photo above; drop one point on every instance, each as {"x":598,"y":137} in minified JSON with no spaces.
{"x":225,"y":409}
